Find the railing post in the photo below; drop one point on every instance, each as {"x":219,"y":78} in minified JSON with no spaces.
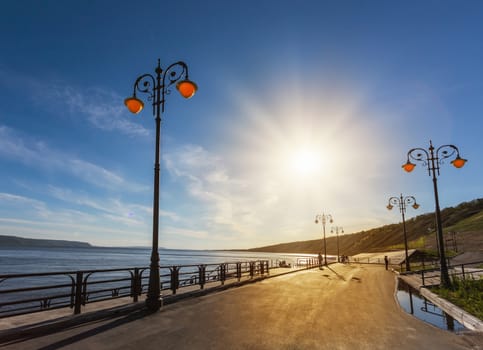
{"x":202,"y":275}
{"x":174,"y":278}
{"x":252,"y":269}
{"x":222,"y":273}
{"x":72,"y":291}
{"x":238,"y":271}
{"x":262,"y":267}
{"x":136,"y":284}
{"x":85,"y":295}
{"x":463,"y":271}
{"x":78,"y":293}
{"x":422,"y":276}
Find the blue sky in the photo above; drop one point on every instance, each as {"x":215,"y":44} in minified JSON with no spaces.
{"x":303,"y":107}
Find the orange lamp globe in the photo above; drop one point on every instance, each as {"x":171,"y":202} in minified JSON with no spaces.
{"x":134,"y":104}
{"x":458,"y":162}
{"x":187,"y":88}
{"x":415,"y":205}
{"x":409,"y":166}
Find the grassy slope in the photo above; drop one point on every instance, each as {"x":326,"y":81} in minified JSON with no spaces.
{"x":466,"y":219}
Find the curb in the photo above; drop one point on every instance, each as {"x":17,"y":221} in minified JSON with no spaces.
{"x":57,"y":324}
{"x":466,"y":319}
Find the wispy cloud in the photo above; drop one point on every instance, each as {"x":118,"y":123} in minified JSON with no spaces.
{"x":107,"y":235}
{"x":112,"y":208}
{"x":94,"y":174}
{"x":112,"y":218}
{"x":15,"y":202}
{"x":102,"y":108}
{"x":226,"y":206}
{"x":14,"y":147}
{"x":38,"y":154}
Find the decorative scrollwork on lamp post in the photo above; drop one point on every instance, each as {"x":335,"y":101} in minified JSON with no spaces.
{"x":157,"y":87}
{"x":402,"y":202}
{"x":432,"y":160}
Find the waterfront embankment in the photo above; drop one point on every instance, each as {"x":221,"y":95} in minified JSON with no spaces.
{"x":340,"y":307}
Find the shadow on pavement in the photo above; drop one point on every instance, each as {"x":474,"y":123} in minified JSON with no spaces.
{"x":132,"y":316}
{"x":335,"y":272}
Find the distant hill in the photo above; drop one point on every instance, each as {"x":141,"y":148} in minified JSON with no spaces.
{"x":17,"y":242}
{"x":466,"y":220}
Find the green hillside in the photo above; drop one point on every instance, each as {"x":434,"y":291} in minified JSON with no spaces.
{"x":466,"y":220}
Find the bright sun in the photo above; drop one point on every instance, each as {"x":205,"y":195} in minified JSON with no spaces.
{"x":304,"y":162}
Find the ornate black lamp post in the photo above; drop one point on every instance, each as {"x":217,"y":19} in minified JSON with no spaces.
{"x":433,"y":159}
{"x":323,"y":219}
{"x":336,"y":229}
{"x":402,"y":202}
{"x":157,"y":87}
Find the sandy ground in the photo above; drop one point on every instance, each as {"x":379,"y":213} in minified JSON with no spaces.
{"x":344,"y":307}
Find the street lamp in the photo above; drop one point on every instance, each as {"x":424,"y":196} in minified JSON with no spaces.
{"x":432,"y":160}
{"x":323,"y":218}
{"x":402,"y":202}
{"x":157,"y":87}
{"x":337,"y":233}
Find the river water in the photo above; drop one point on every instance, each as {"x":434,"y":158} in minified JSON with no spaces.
{"x":50,"y":260}
{"x":32,"y":260}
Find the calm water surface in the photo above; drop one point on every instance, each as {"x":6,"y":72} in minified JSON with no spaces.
{"x":39,"y":260}
{"x":415,"y":304}
{"x":31,"y":260}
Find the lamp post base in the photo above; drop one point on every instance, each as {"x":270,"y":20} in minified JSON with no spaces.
{"x":153,"y":305}
{"x":153,"y":297}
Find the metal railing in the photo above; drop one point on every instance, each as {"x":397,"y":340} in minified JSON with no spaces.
{"x":399,"y":264}
{"x":429,"y":269}
{"x":176,"y":277}
{"x":35,"y":292}
{"x":431,"y":276}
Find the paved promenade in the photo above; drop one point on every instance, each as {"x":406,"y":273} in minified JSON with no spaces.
{"x":341,"y":307}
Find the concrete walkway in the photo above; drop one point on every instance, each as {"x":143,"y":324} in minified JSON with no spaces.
{"x":103,"y":309}
{"x":341,"y":307}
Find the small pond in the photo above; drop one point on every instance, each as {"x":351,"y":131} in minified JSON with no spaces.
{"x":415,"y":304}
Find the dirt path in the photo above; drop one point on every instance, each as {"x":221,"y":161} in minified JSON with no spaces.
{"x":345,"y":307}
